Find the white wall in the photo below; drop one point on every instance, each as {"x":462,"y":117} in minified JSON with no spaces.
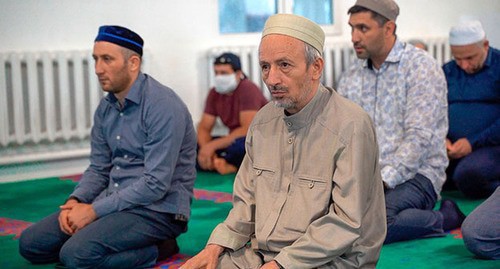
{"x":178,"y":33}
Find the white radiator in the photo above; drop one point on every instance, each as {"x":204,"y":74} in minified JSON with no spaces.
{"x":47,"y":101}
{"x":337,"y":59}
{"x":439,"y":48}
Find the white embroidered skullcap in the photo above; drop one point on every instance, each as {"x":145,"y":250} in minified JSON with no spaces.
{"x":466,"y":32}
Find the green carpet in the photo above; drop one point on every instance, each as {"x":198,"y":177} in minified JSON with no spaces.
{"x":29,"y":201}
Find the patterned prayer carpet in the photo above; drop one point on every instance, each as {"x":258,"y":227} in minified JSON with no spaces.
{"x":22,"y":203}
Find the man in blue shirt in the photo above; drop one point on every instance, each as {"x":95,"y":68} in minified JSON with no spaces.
{"x":473,"y":141}
{"x":137,"y":191}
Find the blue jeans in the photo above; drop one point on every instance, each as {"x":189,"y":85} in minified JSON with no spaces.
{"x":409,"y":211}
{"x":480,"y":229}
{"x":125,"y":239}
{"x":476,"y":175}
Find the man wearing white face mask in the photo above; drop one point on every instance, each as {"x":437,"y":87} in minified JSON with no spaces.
{"x":236,"y":100}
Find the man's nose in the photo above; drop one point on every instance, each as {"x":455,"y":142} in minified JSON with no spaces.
{"x":355,"y":36}
{"x":98,"y":67}
{"x":465,"y":65}
{"x":273,"y":76}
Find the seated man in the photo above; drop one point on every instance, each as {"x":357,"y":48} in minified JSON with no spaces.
{"x":137,"y":191}
{"x":236,"y":100}
{"x":473,"y":140}
{"x":309,"y":192}
{"x":403,"y":89}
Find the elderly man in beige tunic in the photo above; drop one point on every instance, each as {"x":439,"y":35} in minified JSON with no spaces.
{"x":309,"y":192}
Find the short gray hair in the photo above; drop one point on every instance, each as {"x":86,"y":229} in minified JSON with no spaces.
{"x":311,"y":54}
{"x":127,"y":53}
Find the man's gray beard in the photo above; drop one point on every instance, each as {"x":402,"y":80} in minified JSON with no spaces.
{"x":285,"y":105}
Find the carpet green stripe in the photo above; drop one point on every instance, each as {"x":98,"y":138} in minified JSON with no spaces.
{"x":34,"y":199}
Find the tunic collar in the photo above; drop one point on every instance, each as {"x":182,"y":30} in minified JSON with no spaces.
{"x":310,"y":112}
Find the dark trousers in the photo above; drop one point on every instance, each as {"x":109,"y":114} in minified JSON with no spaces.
{"x":233,"y":154}
{"x":409,"y":211}
{"x":125,"y":239}
{"x":477,"y":175}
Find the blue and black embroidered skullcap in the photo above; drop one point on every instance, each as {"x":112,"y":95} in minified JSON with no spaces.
{"x":229,"y":58}
{"x":120,"y":36}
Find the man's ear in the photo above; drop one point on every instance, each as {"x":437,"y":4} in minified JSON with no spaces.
{"x":486,"y":43}
{"x":239,"y":75}
{"x":317,"y":68}
{"x":389,"y":28}
{"x":134,"y":62}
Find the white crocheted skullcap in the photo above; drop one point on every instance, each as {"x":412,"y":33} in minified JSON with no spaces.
{"x":466,"y":32}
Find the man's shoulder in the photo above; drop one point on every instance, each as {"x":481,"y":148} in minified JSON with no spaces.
{"x":343,"y":110}
{"x":267,"y":113}
{"x":155,"y":89}
{"x":495,"y":51}
{"x":495,"y":56}
{"x":343,"y":118}
{"x":160,"y":96}
{"x":417,"y":66}
{"x":247,"y":83}
{"x":418,"y":57}
{"x":154,"y":86}
{"x":248,"y":87}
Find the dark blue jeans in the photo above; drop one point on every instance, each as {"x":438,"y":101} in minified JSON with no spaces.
{"x":409,"y":211}
{"x":125,"y":239}
{"x":476,"y":175}
{"x":233,"y":154}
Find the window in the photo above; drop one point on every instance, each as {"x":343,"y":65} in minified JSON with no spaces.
{"x":244,"y":16}
{"x":319,"y":11}
{"x":249,"y":16}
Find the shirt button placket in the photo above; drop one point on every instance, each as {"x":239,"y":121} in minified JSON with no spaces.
{"x":290,"y":139}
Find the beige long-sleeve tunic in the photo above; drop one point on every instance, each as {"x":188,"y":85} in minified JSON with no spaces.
{"x":309,"y":192}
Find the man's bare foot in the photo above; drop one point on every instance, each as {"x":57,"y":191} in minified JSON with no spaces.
{"x":224,"y":168}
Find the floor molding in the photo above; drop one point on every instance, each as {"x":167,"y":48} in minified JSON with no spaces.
{"x":42,"y":169}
